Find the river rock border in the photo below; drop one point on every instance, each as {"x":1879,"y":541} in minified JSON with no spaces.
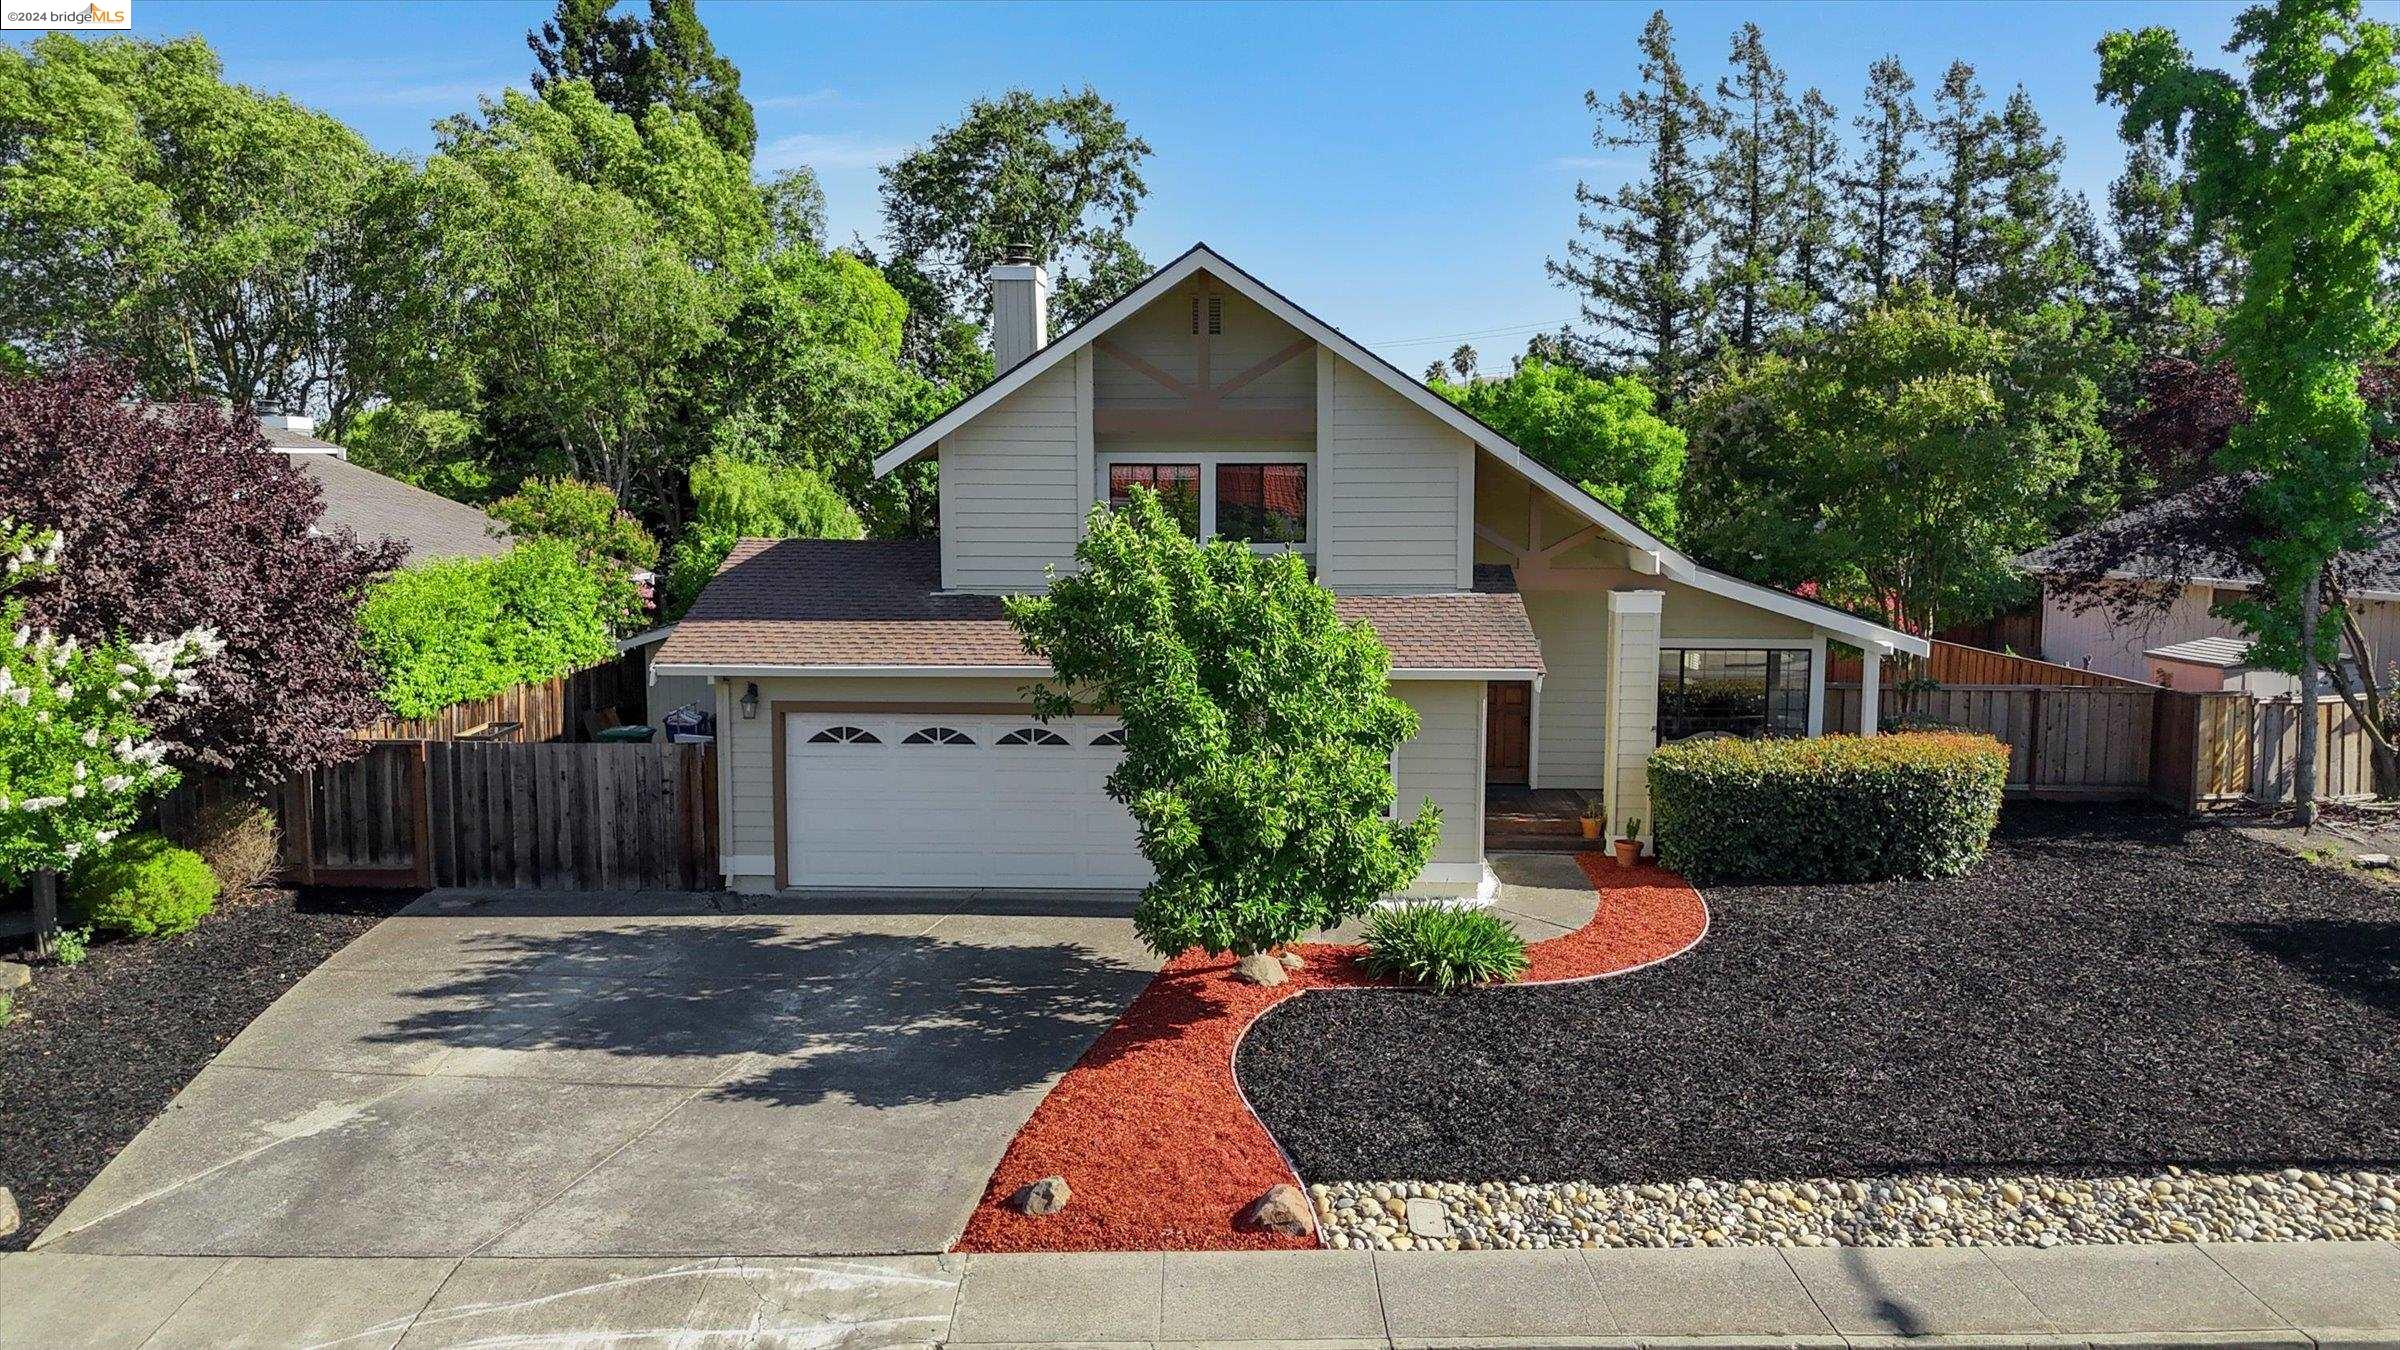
{"x":1924,"y":1210}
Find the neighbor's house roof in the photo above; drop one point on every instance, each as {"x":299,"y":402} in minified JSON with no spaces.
{"x":2377,"y":568}
{"x":2207,"y":651}
{"x":372,"y":506}
{"x":1652,"y":554}
{"x":877,"y":605}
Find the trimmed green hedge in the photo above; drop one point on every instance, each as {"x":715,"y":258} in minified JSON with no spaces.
{"x":1841,"y":808}
{"x":142,"y":885}
{"x":465,"y":628}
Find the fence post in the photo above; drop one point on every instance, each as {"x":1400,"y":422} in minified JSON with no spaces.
{"x":2033,"y":739}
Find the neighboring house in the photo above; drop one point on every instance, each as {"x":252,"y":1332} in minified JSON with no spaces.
{"x":2180,"y":642}
{"x":870,"y":694}
{"x":372,"y":506}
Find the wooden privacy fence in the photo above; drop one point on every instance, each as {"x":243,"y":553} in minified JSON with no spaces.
{"x":487,"y":814}
{"x":553,"y":710}
{"x":2243,"y":748}
{"x":2063,"y":740}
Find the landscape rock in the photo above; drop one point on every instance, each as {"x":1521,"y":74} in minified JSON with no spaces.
{"x":1283,"y":1209}
{"x":1047,"y":1196}
{"x":1260,"y":968}
{"x":9,"y":1217}
{"x":14,"y":975}
{"x":2373,"y":860}
{"x":1293,"y":960}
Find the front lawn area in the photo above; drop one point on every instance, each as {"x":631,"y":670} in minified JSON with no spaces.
{"x":2113,"y":990}
{"x":91,"y":1053}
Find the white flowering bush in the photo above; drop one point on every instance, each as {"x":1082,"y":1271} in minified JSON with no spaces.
{"x":76,"y":760}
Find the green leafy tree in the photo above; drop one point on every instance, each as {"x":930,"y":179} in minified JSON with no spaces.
{"x":2169,"y":279}
{"x":1259,"y":731}
{"x":736,"y":499}
{"x":76,"y":761}
{"x":1884,"y":194}
{"x":1063,"y":174}
{"x":1636,"y":264}
{"x":635,"y":64}
{"x":444,"y":632}
{"x":2300,"y":161}
{"x":1898,"y":461}
{"x":213,"y":237}
{"x":1748,"y":183}
{"x":605,"y":536}
{"x":428,"y":447}
{"x":1600,"y":434}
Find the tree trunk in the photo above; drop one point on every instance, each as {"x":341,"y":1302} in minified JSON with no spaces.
{"x":2304,"y":773}
{"x":45,"y":913}
{"x":2383,"y":770}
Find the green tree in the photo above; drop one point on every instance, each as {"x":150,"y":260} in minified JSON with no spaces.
{"x":634,"y":65}
{"x":1883,"y":193}
{"x":735,"y":499}
{"x":2032,"y":254}
{"x":1747,"y":182}
{"x":587,"y":518}
{"x":1259,"y":731}
{"x":1811,"y":151}
{"x":2168,"y":279}
{"x":1599,"y":434}
{"x":1636,"y":264}
{"x":2300,"y":161}
{"x":210,"y":236}
{"x":444,"y":632}
{"x":1960,"y":208}
{"x":1898,"y":461}
{"x":1063,"y":174}
{"x":428,"y":447}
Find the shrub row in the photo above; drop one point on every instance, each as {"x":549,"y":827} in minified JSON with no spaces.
{"x":1840,"y":808}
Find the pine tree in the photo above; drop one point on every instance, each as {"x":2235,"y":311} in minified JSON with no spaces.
{"x":2166,"y":278}
{"x":1959,"y":212}
{"x":634,"y":65}
{"x":1635,"y":262}
{"x":2033,"y":257}
{"x":1884,"y":195}
{"x":1810,"y":149}
{"x":1746,"y":183}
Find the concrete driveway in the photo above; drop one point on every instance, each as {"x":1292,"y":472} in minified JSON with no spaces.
{"x":526,"y":1074}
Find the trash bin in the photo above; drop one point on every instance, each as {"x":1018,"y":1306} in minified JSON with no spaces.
{"x":625,"y":735}
{"x":688,"y":725}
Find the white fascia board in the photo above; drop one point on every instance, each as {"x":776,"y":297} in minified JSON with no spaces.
{"x":744,"y":671}
{"x":1461,"y":673}
{"x":1824,"y":617}
{"x":644,"y":639}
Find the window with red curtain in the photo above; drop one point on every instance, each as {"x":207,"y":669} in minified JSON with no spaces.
{"x":1177,"y":485}
{"x":1263,"y":503}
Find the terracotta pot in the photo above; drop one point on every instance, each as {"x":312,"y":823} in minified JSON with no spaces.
{"x":1591,"y":828}
{"x":1629,"y":852}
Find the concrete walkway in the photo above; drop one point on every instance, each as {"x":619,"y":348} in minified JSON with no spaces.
{"x":2302,"y":1294}
{"x":530,"y":1074}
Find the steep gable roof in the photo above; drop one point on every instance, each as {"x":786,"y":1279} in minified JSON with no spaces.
{"x":1659,"y":556}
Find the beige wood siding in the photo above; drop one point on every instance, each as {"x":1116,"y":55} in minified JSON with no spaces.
{"x":1632,"y":715}
{"x":1162,"y":336}
{"x":1571,"y":732}
{"x":1396,"y":475}
{"x":1013,"y":484}
{"x":1445,"y":762}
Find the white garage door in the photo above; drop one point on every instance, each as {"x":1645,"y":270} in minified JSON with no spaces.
{"x":952,"y":799}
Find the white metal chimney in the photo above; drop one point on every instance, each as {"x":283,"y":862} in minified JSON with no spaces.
{"x":1020,"y":307}
{"x":292,"y":422}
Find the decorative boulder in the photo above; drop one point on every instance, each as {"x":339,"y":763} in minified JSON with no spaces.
{"x":1283,"y":1209}
{"x":1292,"y":960}
{"x":14,"y":975}
{"x":1261,"y":968}
{"x":1047,"y":1196}
{"x":9,"y":1218}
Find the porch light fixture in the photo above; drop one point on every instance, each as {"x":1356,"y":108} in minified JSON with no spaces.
{"x":750,"y":701}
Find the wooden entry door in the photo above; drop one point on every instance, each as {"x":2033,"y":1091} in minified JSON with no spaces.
{"x":1507,"y":732}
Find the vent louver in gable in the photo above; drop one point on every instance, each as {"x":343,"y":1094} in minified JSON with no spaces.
{"x":1216,"y":315}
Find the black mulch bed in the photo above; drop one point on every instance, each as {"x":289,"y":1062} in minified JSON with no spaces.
{"x":94,"y":1052}
{"x":2113,"y":990}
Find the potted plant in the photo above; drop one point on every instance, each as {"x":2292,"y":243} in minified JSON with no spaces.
{"x":1629,"y":843}
{"x":1591,"y":816}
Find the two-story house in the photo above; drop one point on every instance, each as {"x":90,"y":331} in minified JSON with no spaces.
{"x":870,"y":695}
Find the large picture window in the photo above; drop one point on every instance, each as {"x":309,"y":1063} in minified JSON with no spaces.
{"x":1735,"y":691}
{"x":1249,"y":497}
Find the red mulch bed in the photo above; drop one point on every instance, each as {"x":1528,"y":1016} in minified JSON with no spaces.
{"x":1151,"y":1131}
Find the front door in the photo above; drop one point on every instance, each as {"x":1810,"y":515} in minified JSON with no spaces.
{"x":1507,"y":732}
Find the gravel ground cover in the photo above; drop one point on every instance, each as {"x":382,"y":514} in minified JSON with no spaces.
{"x":2112,"y":993}
{"x":93,"y":1052}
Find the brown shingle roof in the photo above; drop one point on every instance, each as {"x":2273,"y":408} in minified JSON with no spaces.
{"x":877,"y":602}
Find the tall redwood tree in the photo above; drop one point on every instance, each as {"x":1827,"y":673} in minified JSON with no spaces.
{"x":176,"y":517}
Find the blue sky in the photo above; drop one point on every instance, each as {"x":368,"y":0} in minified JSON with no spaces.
{"x":1403,"y":170}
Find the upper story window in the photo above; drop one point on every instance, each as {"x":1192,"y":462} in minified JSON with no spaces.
{"x":1177,"y":485}
{"x":1263,"y":503}
{"x":1248,"y":497}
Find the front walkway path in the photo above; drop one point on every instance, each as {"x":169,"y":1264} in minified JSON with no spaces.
{"x":532,"y":1074}
{"x":2298,"y":1294}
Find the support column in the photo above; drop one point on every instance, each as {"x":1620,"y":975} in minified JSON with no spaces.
{"x":1633,"y":619}
{"x":1870,"y":686}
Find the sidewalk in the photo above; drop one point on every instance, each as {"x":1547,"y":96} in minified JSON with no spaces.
{"x":2301,"y":1294}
